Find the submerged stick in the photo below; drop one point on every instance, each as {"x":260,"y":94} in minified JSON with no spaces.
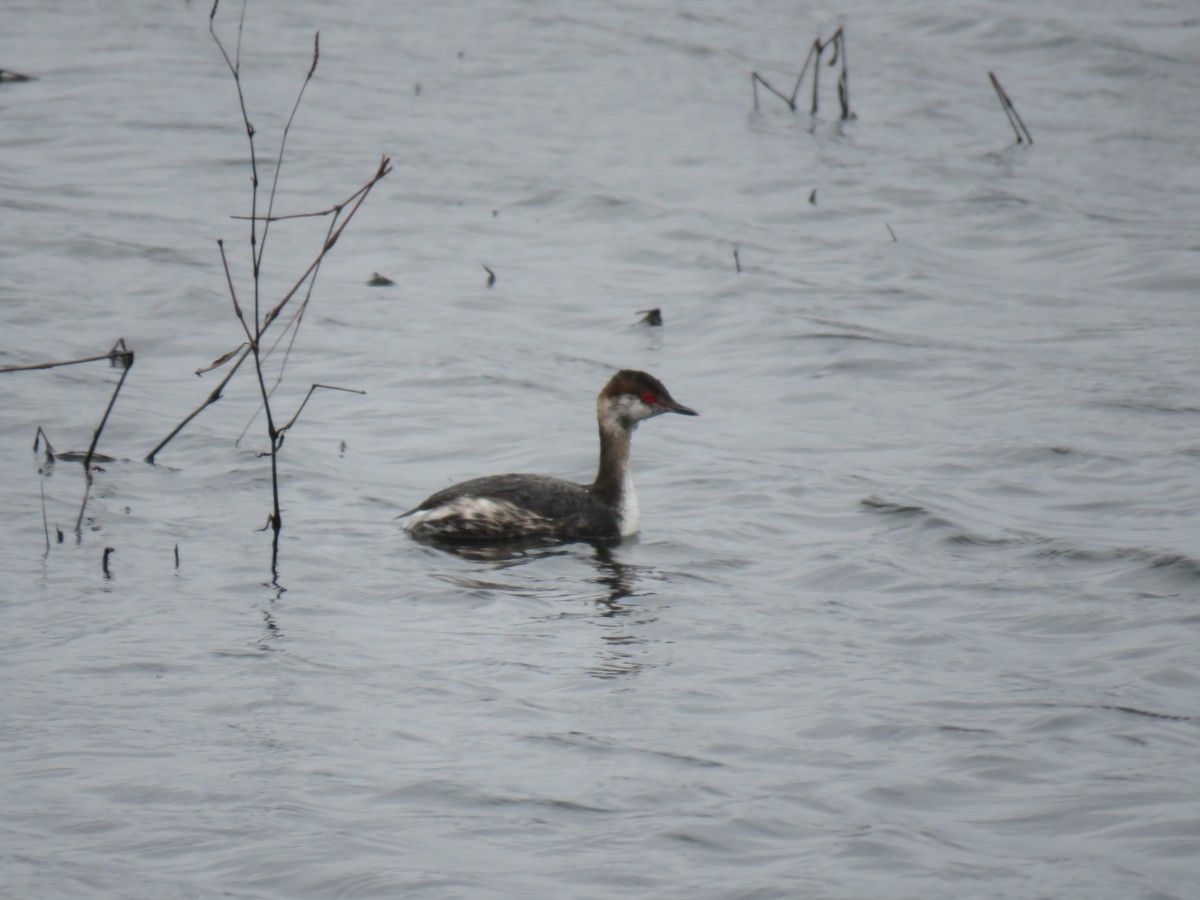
{"x":45,"y":523}
{"x":1014,"y":117}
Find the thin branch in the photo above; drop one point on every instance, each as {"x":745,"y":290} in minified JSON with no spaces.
{"x":233,"y":296}
{"x":385,"y":166}
{"x":235,"y":69}
{"x":292,"y":327}
{"x":304,"y":402}
{"x":212,"y":398}
{"x":331,"y":237}
{"x":756,"y":80}
{"x":283,"y":143}
{"x":1014,"y":118}
{"x":814,"y":50}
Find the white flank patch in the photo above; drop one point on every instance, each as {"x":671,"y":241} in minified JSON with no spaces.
{"x":472,"y":509}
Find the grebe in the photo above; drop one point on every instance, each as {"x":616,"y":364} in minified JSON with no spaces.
{"x":512,"y":507}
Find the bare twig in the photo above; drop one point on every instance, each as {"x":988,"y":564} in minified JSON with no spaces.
{"x":257,"y":325}
{"x":304,"y":402}
{"x":282,"y":144}
{"x":250,"y":337}
{"x":332,"y":234}
{"x":216,"y":394}
{"x":1014,"y":118}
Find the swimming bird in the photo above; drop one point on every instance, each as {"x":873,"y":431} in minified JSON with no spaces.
{"x":516,"y":506}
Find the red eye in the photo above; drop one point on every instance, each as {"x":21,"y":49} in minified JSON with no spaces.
{"x":649,"y":399}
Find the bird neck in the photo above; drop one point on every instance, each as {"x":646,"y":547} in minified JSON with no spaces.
{"x":612,"y":477}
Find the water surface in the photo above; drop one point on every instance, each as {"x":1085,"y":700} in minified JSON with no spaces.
{"x":914,"y":608}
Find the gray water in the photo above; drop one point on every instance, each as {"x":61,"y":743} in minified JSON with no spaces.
{"x":915,"y":605}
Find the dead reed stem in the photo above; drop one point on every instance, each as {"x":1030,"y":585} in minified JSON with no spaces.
{"x":836,"y":41}
{"x":120,"y":356}
{"x":1014,"y":117}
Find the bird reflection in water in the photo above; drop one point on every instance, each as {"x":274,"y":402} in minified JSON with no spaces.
{"x":620,"y":621}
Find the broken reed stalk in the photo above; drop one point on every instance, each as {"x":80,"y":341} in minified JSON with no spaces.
{"x":40,"y":436}
{"x":119,"y":355}
{"x":838,"y":42}
{"x":1014,"y":118}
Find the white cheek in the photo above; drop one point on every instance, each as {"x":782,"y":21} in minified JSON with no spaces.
{"x":627,"y":408}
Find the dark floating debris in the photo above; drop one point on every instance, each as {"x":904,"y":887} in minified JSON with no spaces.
{"x":1014,"y":118}
{"x":176,"y":556}
{"x":377,"y":280}
{"x":108,"y":551}
{"x":10,"y":75}
{"x":892,"y":233}
{"x":491,"y":280}
{"x":838,"y":42}
{"x":812,"y":196}
{"x":737,"y":263}
{"x":651,"y":316}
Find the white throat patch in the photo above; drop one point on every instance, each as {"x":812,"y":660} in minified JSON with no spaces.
{"x":631,"y":516}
